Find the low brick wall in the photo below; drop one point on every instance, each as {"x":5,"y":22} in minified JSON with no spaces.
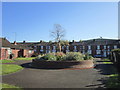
{"x":62,"y":64}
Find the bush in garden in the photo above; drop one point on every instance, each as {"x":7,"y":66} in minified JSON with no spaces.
{"x":69,"y":56}
{"x":74,"y":56}
{"x":38,"y":57}
{"x":49,"y":56}
{"x":87,"y":57}
{"x":60,"y":55}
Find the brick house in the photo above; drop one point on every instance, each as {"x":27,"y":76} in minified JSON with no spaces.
{"x":11,"y":51}
{"x":96,"y":47}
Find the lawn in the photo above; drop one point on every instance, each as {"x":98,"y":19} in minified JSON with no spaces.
{"x":107,"y":61}
{"x":6,"y":61}
{"x":10,"y":86}
{"x":9,"y":68}
{"x":113,"y":81}
{"x":22,"y":58}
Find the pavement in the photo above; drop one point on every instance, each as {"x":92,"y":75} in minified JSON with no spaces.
{"x":31,"y":77}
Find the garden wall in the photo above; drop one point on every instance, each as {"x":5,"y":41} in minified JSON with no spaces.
{"x":62,"y":64}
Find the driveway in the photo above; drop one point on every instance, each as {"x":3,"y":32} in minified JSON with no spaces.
{"x":42,"y":78}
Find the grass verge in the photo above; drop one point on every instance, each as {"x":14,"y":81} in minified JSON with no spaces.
{"x":107,"y":61}
{"x":6,"y":61}
{"x":22,"y":58}
{"x":5,"y":86}
{"x":7,"y":69}
{"x":113,"y":81}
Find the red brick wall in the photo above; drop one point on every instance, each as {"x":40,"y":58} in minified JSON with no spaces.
{"x":15,"y":52}
{"x":27,"y":54}
{"x":3,"y":54}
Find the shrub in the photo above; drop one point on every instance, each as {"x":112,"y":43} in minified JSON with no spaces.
{"x":116,"y":50}
{"x":60,"y":55}
{"x":87,"y":57}
{"x":38,"y":57}
{"x":74,"y":56}
{"x":49,"y":57}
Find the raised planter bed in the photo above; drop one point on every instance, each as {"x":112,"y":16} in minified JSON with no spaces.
{"x":62,"y":64}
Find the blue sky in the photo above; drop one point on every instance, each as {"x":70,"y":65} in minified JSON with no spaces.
{"x":33,"y":21}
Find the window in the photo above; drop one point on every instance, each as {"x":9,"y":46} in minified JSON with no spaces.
{"x":67,"y":50}
{"x":83,"y":52}
{"x":108,"y":46}
{"x":108,"y":53}
{"x":98,"y":46}
{"x":74,"y":47}
{"x":90,"y":51}
{"x":83,"y":47}
{"x":89,"y":47}
{"x":54,"y":47}
{"x":41,"y":47}
{"x":54,"y":50}
{"x":41,"y":50}
{"x":30,"y":51}
{"x":62,"y":47}
{"x":98,"y":51}
{"x":115,"y":46}
{"x":47,"y":47}
{"x":104,"y":46}
{"x":67,"y":47}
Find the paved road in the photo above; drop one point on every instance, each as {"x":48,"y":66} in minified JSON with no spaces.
{"x":40,"y":78}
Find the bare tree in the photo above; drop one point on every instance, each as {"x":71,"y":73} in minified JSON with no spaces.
{"x":58,"y":34}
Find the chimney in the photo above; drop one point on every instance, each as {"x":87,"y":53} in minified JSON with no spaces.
{"x":15,"y":43}
{"x":41,"y":41}
{"x":24,"y":41}
{"x":73,"y":41}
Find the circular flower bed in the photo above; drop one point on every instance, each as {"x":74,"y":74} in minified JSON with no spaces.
{"x":60,"y":60}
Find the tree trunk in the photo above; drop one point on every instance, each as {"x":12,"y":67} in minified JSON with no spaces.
{"x":59,"y":46}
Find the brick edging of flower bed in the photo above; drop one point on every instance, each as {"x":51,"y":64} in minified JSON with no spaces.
{"x":86,"y":64}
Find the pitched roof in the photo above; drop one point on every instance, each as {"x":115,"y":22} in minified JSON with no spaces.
{"x":5,"y":43}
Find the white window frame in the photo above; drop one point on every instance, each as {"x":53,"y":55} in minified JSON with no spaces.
{"x":115,"y":46}
{"x":83,"y":47}
{"x":41,"y":47}
{"x":90,"y":51}
{"x":67,"y":47}
{"x":47,"y":47}
{"x":98,"y":47}
{"x":62,"y":47}
{"x":89,"y":47}
{"x":75,"y":47}
{"x":54,"y":47}
{"x":83,"y":52}
{"x":104,"y":46}
{"x":98,"y":51}
{"x":108,"y":47}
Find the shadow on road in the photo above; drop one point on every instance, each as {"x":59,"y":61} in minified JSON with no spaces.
{"x":28,"y":65}
{"x":106,"y":69}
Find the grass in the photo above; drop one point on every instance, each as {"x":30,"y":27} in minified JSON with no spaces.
{"x":10,"y":86}
{"x":6,"y":61}
{"x":7,"y":69}
{"x":107,"y":61}
{"x":22,"y":58}
{"x":113,"y":81}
